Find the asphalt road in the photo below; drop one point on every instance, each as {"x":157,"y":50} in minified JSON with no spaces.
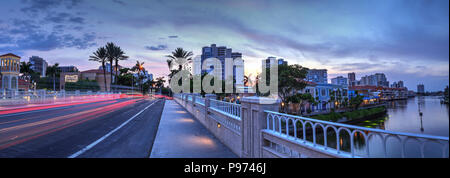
{"x":121,"y":128}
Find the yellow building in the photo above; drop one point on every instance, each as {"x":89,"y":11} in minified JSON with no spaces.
{"x":10,"y":69}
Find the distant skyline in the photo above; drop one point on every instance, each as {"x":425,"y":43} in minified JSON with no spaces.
{"x":407,"y":40}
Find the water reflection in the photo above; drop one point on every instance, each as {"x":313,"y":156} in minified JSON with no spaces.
{"x":401,"y":116}
{"x":425,"y":115}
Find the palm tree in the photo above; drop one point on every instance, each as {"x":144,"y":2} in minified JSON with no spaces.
{"x":178,"y":56}
{"x":160,"y":82}
{"x":25,"y":69}
{"x":111,"y":52}
{"x":139,"y":67}
{"x":52,"y":71}
{"x":119,"y":56}
{"x":100,"y":56}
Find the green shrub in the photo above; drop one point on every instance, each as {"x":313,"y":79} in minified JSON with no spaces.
{"x":358,"y":114}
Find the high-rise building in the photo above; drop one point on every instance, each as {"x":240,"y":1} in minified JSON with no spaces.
{"x":281,"y":61}
{"x":38,"y":65}
{"x":340,"y":80}
{"x":270,"y":61}
{"x":68,"y":69}
{"x":351,"y":79}
{"x":381,"y":80}
{"x":378,"y":79}
{"x":398,"y":84}
{"x":420,"y":89}
{"x":220,"y":53}
{"x":317,"y":75}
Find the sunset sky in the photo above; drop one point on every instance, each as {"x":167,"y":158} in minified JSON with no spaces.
{"x":407,"y":40}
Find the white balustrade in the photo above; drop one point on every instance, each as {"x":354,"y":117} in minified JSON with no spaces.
{"x":231,"y":109}
{"x":295,"y":128}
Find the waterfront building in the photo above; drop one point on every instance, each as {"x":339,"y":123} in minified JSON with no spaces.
{"x":339,"y":81}
{"x":378,"y":79}
{"x":317,"y":76}
{"x":10,"y":69}
{"x":351,"y":79}
{"x":322,"y":92}
{"x":38,"y":64}
{"x":235,"y":73}
{"x":398,"y":84}
{"x":420,"y":89}
{"x":381,"y":80}
{"x":91,"y":75}
{"x":68,"y":69}
{"x":375,"y":93}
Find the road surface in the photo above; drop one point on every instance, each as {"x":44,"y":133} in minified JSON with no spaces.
{"x":117,"y":128}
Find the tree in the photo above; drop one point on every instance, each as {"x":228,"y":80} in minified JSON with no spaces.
{"x":125,"y":78}
{"x":290,"y":80}
{"x":177,"y":56}
{"x":53,"y":71}
{"x":120,"y":56}
{"x":301,"y":100}
{"x":356,"y":101}
{"x":114,"y":54}
{"x":25,"y":68}
{"x":100,"y":56}
{"x":160,"y":82}
{"x":139,"y":68}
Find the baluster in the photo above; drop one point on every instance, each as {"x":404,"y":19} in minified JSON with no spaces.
{"x":273,"y":123}
{"x":444,"y":149}
{"x":366,"y":140}
{"x":295,"y":129}
{"x":403,"y":146}
{"x":314,"y":134}
{"x":287,"y":127}
{"x":384,"y":146}
{"x":304,"y":132}
{"x":325,"y":137}
{"x":352,"y":144}
{"x":338,"y":145}
{"x":422,"y":150}
{"x":279,"y":124}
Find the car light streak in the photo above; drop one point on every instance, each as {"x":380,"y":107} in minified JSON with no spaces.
{"x":28,"y":131}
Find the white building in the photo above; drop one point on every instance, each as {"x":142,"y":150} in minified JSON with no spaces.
{"x":10,"y":69}
{"x":339,"y":81}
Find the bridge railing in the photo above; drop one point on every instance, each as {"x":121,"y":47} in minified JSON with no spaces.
{"x":221,"y":118}
{"x":231,"y":109}
{"x":254,"y":129}
{"x":200,"y":100}
{"x":304,"y":132}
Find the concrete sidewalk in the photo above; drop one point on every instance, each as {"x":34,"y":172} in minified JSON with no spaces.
{"x":180,"y":135}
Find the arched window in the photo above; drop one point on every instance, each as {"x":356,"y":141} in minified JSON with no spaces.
{"x":13,"y":82}
{"x":5,"y":82}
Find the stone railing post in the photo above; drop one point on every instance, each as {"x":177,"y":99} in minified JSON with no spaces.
{"x":208,"y":98}
{"x":253,"y":121}
{"x":194,"y":98}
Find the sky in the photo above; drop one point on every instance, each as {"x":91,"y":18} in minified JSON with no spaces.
{"x":405,"y":39}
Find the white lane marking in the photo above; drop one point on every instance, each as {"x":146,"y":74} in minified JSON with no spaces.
{"x":108,"y":134}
